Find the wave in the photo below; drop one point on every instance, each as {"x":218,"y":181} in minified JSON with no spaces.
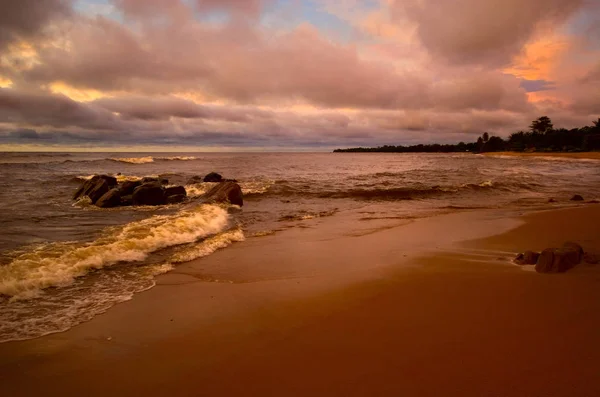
{"x":120,"y":177}
{"x":208,"y":246}
{"x":63,"y":308}
{"x":150,"y":159}
{"x":60,"y":264}
{"x":306,"y":215}
{"x":249,"y":188}
{"x":384,"y":194}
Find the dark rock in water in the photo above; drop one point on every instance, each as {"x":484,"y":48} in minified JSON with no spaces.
{"x":527,"y":258}
{"x":551,"y":200}
{"x":590,"y":258}
{"x":559,"y":260}
{"x":175,"y":191}
{"x":176,"y":199}
{"x":225,"y":192}
{"x":213,"y":177}
{"x":570,"y":245}
{"x":110,"y":199}
{"x":99,"y":189}
{"x":89,"y":185}
{"x":576,"y":198}
{"x":128,"y":187}
{"x":149,"y":194}
{"x":126,"y":200}
{"x":148,"y":179}
{"x":195,"y":179}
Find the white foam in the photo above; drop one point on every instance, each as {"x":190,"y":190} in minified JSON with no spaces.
{"x":65,"y":308}
{"x":134,"y":160}
{"x":208,"y":246}
{"x":150,"y":159}
{"x":249,"y":187}
{"x":59,"y":264}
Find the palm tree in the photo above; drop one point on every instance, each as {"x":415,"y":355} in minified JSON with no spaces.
{"x":541,"y":125}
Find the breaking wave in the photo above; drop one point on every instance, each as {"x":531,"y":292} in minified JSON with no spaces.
{"x":150,"y":159}
{"x":60,"y":264}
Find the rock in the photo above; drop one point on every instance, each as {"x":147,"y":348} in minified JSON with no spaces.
{"x":149,"y":179}
{"x":576,"y":198}
{"x":527,"y":258}
{"x":570,"y":245}
{"x":195,"y":179}
{"x":551,"y":200}
{"x":229,"y":192}
{"x":590,"y":258}
{"x":126,"y":200}
{"x":559,"y":260}
{"x":95,"y":183}
{"x":128,"y":187}
{"x":213,"y":177}
{"x":149,"y":194}
{"x":175,"y":191}
{"x":176,"y":199}
{"x":99,"y":189}
{"x":110,"y":199}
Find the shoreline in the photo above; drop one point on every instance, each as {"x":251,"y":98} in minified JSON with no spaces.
{"x":397,"y":303}
{"x":566,"y":155}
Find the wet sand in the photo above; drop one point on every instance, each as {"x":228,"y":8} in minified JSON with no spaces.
{"x":578,"y":155}
{"x":431,"y":307}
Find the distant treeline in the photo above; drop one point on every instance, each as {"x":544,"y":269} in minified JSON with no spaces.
{"x":541,"y":137}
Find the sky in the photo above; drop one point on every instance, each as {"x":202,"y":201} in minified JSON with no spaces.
{"x":291,"y":74}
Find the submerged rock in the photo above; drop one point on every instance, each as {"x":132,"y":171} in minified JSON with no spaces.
{"x":195,"y":179}
{"x":149,"y":179}
{"x":590,"y":258}
{"x":176,"y":199}
{"x":577,"y":198}
{"x":225,"y":192}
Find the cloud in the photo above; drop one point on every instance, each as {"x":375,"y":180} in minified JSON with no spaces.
{"x":236,"y":62}
{"x":43,"y":109}
{"x":26,"y":19}
{"x":208,"y":72}
{"x":467,"y":32}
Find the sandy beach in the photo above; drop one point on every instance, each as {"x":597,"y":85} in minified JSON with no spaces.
{"x":574,"y":155}
{"x":417,"y":308}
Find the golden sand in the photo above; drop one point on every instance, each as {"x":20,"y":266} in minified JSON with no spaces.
{"x":459,"y":320}
{"x":578,"y":155}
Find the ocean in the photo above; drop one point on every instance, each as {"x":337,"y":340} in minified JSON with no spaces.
{"x":62,"y":262}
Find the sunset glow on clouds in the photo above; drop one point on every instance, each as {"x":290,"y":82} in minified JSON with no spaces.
{"x":292,"y":73}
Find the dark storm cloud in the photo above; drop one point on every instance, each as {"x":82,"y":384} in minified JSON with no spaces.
{"x":26,"y":19}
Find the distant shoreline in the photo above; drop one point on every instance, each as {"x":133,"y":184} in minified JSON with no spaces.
{"x":571,"y":155}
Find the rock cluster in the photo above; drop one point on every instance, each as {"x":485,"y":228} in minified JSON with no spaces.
{"x":105,"y":192}
{"x":556,"y":260}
